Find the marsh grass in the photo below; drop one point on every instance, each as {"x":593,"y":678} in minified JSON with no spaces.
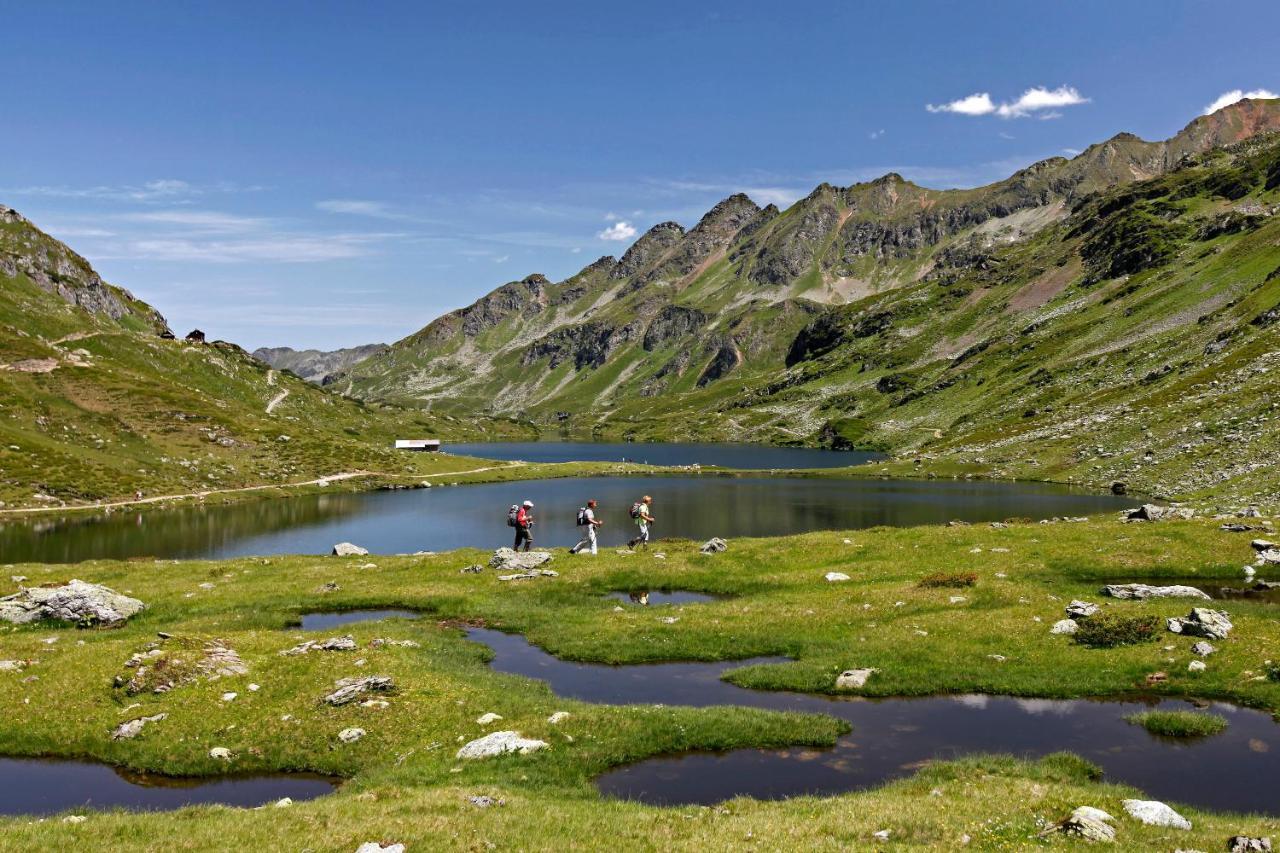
{"x":1108,"y":630}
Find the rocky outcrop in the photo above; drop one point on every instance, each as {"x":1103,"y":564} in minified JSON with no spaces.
{"x":505,"y":559}
{"x":796,"y":242}
{"x":1155,"y":813}
{"x":716,"y":230}
{"x":726,"y":359}
{"x":585,"y":345}
{"x":1152,"y":512}
{"x":133,"y":728}
{"x":672,"y":323}
{"x":1090,"y":824}
{"x":854,"y":679}
{"x":715,"y":545}
{"x":347,"y":549}
{"x":79,"y":602}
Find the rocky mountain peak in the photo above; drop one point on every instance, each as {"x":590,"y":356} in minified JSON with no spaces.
{"x":646,"y":251}
{"x":9,"y":215}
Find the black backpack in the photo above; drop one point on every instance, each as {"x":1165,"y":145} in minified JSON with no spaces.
{"x":636,"y":508}
{"x":583,"y":521}
{"x":512,"y":514}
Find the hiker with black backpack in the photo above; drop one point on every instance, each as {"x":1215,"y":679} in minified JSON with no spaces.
{"x":521,"y":518}
{"x":640,"y":512}
{"x":587,"y":519}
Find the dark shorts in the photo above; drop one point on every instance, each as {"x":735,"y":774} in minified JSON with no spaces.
{"x":523,"y":536}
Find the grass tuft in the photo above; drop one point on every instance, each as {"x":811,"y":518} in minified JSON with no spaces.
{"x":1184,"y":724}
{"x":1107,"y":630}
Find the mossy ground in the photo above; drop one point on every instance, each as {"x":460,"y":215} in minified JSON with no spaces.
{"x":405,"y":784}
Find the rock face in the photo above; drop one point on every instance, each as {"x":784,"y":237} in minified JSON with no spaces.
{"x":83,"y":603}
{"x":715,"y":545}
{"x":133,"y":728}
{"x":500,"y":743}
{"x":1154,"y":813}
{"x":508,"y":560}
{"x":351,"y":689}
{"x":1141,"y":590}
{"x":1202,"y":622}
{"x":854,"y":679}
{"x":1090,"y":824}
{"x":346,"y":549}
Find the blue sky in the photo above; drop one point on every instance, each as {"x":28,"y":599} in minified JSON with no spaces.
{"x":328,"y":174}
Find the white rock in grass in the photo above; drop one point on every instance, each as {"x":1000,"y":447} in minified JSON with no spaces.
{"x":882,"y":835}
{"x":854,"y":679}
{"x":350,"y":735}
{"x":834,"y":577}
{"x":284,"y":802}
{"x":221,"y":753}
{"x":1090,"y":824}
{"x":1203,"y":649}
{"x":558,"y":717}
{"x":74,"y":818}
{"x":488,"y":719}
{"x":1196,"y":666}
{"x":1064,"y":626}
{"x":1155,"y":813}
{"x":346,"y":549}
{"x":375,"y":847}
{"x":133,"y":728}
{"x":500,"y":743}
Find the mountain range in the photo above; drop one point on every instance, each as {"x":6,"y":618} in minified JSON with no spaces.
{"x":982,"y":327}
{"x":315,"y":365}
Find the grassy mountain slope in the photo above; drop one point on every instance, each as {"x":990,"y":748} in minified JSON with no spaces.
{"x":1030,"y":327}
{"x":95,"y":404}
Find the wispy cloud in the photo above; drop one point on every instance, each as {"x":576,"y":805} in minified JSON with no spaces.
{"x":620,"y":230}
{"x":278,"y":248}
{"x":162,"y":190}
{"x":199,"y":220}
{"x":1035,"y":100}
{"x":876,"y":134}
{"x":359,"y":207}
{"x":1226,"y":99}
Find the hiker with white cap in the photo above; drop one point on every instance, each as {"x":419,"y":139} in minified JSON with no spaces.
{"x":521,"y":518}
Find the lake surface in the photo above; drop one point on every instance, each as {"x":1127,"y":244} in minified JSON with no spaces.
{"x":1234,"y":771}
{"x":45,"y":786}
{"x":441,"y":518}
{"x":741,"y":456}
{"x":336,"y":618}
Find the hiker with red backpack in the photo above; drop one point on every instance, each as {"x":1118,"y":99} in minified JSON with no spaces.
{"x":587,"y":518}
{"x":521,"y":518}
{"x":640,"y":512}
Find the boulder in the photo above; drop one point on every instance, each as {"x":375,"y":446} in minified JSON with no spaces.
{"x":351,"y":689}
{"x":375,"y":847}
{"x":1246,"y":844}
{"x":1196,"y":666}
{"x":508,"y":560}
{"x":1154,"y":813}
{"x":221,"y":753}
{"x":1271,"y":555}
{"x":350,"y":735}
{"x":500,"y":743}
{"x":133,"y":728}
{"x":558,"y":717}
{"x":1090,"y":824}
{"x":1151,"y":512}
{"x":1202,"y":649}
{"x":835,"y":577}
{"x":1064,"y":626}
{"x":346,"y":549}
{"x":1081,"y":609}
{"x":1202,"y":622}
{"x":714,"y":545}
{"x":80,"y":602}
{"x":487,"y":719}
{"x":854,"y":679}
{"x":1141,"y":591}
{"x":1263,"y":545}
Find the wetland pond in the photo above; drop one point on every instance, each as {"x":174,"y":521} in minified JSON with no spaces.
{"x":695,"y":506}
{"x":891,"y":738}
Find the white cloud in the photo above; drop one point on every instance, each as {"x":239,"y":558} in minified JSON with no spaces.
{"x":502,"y":259}
{"x":1037,"y":99}
{"x":876,"y":134}
{"x":199,"y":220}
{"x":1226,"y":99}
{"x":620,"y":230}
{"x":281,"y":248}
{"x":978,"y":104}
